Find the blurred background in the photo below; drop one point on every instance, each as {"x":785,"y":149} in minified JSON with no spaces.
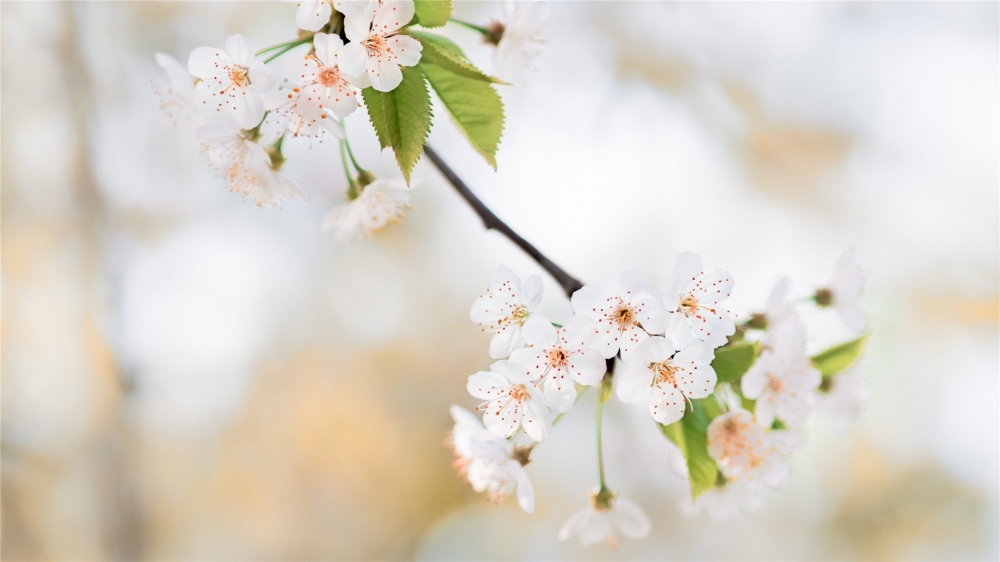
{"x":186,"y":377}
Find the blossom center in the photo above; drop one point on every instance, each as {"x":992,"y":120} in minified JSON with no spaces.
{"x":665,"y":373}
{"x":376,"y":46}
{"x":774,"y":383}
{"x":238,"y":75}
{"x":624,"y":316}
{"x":329,"y":76}
{"x":518,"y":392}
{"x":558,"y":358}
{"x":689,"y":305}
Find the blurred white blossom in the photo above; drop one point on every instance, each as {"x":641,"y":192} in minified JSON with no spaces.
{"x":782,"y":385}
{"x":843,"y":292}
{"x":597,"y":524}
{"x":381,"y":203}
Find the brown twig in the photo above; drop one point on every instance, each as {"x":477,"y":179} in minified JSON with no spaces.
{"x":568,"y":283}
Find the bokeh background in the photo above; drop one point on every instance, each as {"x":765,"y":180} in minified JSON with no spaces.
{"x":185,"y":377}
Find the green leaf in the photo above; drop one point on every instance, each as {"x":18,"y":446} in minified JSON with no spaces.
{"x":431,"y":13}
{"x":839,"y":357}
{"x":402,"y":117}
{"x":691,"y":435}
{"x":445,"y":53}
{"x":733,"y":361}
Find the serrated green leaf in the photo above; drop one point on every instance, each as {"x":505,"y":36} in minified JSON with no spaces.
{"x":446,"y":54}
{"x":733,"y":361}
{"x":474,"y":106}
{"x":431,"y":13}
{"x":839,"y":357}
{"x":402,"y":117}
{"x":691,"y":435}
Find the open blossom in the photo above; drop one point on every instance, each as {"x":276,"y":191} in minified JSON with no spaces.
{"x":512,"y":401}
{"x":314,"y":97}
{"x":625,"y":316}
{"x":842,"y":398}
{"x":726,"y":501}
{"x":232,"y":82}
{"x":843,"y":292}
{"x":520,"y":37}
{"x":176,"y":92}
{"x":377,"y":48}
{"x":505,"y":307}
{"x":380,"y":204}
{"x":555,"y":359}
{"x":667,"y":378}
{"x":784,"y":331}
{"x":782,"y":385}
{"x":742,"y":448}
{"x":694,"y":301}
{"x":599,"y":523}
{"x":247,"y":167}
{"x":491,"y":464}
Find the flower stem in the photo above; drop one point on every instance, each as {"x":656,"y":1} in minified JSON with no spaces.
{"x":350,"y":152}
{"x":293,"y":43}
{"x":352,"y":190}
{"x":568,"y":283}
{"x":288,"y":47}
{"x":479,"y":29}
{"x":600,"y":449}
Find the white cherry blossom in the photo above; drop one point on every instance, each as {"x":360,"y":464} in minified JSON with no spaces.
{"x":176,"y":92}
{"x":520,"y":37}
{"x":558,"y":358}
{"x":694,"y":301}
{"x":512,"y":401}
{"x":842,"y":398}
{"x":742,"y":448}
{"x":312,"y":15}
{"x":232,"y":82}
{"x":625,"y":316}
{"x":785,"y":332}
{"x":504,"y":308}
{"x":376,"y":47}
{"x":490,"y":463}
{"x":726,"y":501}
{"x":597,"y":524}
{"x":782,"y":385}
{"x":381,"y":203}
{"x":843,"y":292}
{"x":247,"y":167}
{"x":665,"y":377}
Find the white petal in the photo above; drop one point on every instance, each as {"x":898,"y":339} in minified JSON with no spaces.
{"x":312,"y":15}
{"x":248,"y":109}
{"x":666,"y":404}
{"x":574,"y":524}
{"x":538,"y":331}
{"x":392,"y":15}
{"x":630,"y":519}
{"x":590,"y":301}
{"x":260,"y":78}
{"x":506,"y":341}
{"x":327,"y":46}
{"x":406,"y":48}
{"x":205,"y":62}
{"x":655,"y":349}
{"x":631,"y":283}
{"x":357,"y":26}
{"x":535,"y":420}
{"x":687,"y":268}
{"x":240,"y":49}
{"x":487,"y":385}
{"x":532,"y":292}
{"x":763,"y":412}
{"x":353,"y":59}
{"x":633,"y":383}
{"x":331,"y":124}
{"x":525,"y":492}
{"x":385,"y":75}
{"x":652,"y":315}
{"x":587,"y":367}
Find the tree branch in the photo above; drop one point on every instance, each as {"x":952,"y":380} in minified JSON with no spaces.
{"x":568,"y":283}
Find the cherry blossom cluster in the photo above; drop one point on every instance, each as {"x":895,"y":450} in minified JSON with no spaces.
{"x":745,"y":385}
{"x":243,"y":110}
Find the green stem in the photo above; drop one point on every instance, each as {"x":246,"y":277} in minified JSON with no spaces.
{"x":348,"y":145}
{"x":352,"y":190}
{"x":600,"y":449}
{"x":293,"y":42}
{"x":287,"y":48}
{"x":471,"y":26}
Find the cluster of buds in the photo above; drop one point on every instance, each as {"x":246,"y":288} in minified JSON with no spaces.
{"x":744,"y":386}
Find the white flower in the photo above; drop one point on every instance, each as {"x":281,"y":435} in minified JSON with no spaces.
{"x":742,"y":448}
{"x":520,"y":37}
{"x":598,"y":523}
{"x":726,"y":501}
{"x":505,"y":307}
{"x":785,"y":332}
{"x":376,"y":47}
{"x":381,"y":203}
{"x":843,"y":292}
{"x":666,"y":377}
{"x":232,"y":82}
{"x":625,"y":317}
{"x":490,"y":463}
{"x":176,"y":92}
{"x":555,"y":359}
{"x":512,"y":401}
{"x":842,"y":398}
{"x":246,"y":167}
{"x":782,"y":385}
{"x":695,"y":303}
{"x":316,"y":95}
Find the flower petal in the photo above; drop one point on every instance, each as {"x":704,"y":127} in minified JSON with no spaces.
{"x":312,"y":15}
{"x":630,"y":519}
{"x":532,"y":292}
{"x":633,"y":383}
{"x":327,"y":46}
{"x":240,"y":49}
{"x":205,"y":62}
{"x":353,"y":59}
